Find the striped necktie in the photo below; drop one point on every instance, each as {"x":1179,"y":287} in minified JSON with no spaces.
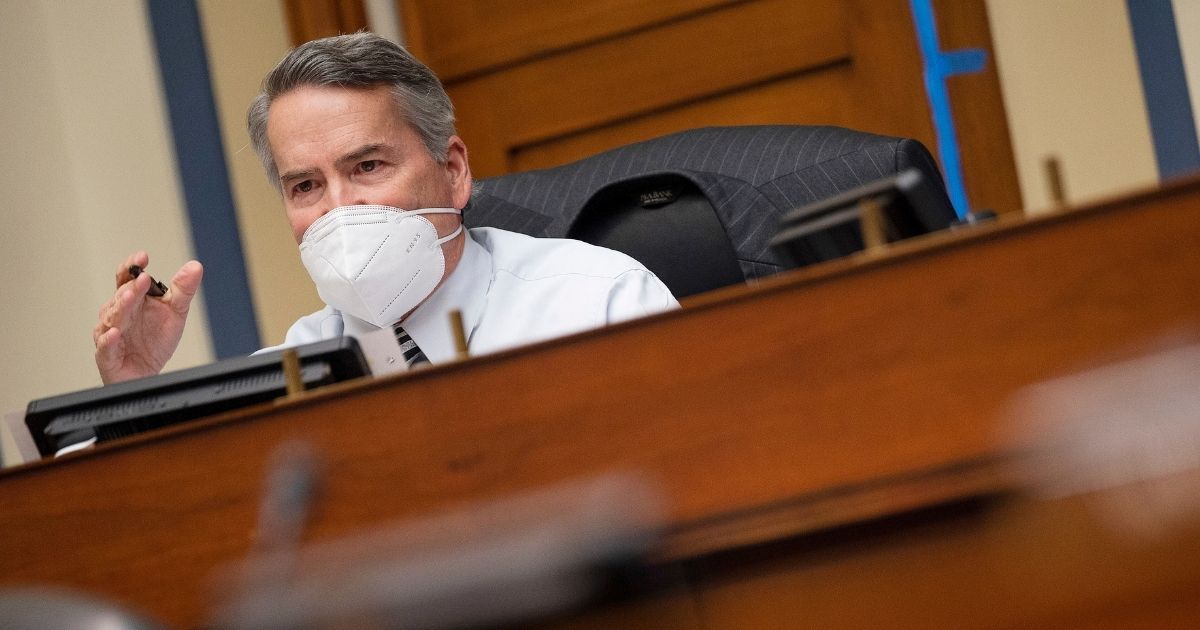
{"x":412,"y":353}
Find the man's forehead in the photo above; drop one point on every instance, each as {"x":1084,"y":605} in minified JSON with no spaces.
{"x":333,"y":123}
{"x":322,"y":100}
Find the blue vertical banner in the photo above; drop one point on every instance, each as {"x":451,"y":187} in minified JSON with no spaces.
{"x":1164,"y":82}
{"x":940,"y":65}
{"x":183,"y":64}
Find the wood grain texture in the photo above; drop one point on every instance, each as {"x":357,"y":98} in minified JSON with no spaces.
{"x":852,"y":63}
{"x":1022,"y":564}
{"x":313,"y":19}
{"x":651,"y":70}
{"x":844,"y":375}
{"x":540,"y":83}
{"x":473,"y":36}
{"x":817,"y":97}
{"x":989,"y":168}
{"x":888,"y":95}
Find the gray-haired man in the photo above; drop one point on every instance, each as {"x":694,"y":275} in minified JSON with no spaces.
{"x":358,"y":137}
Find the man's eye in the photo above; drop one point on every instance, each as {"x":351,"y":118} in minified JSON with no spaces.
{"x":304,"y":186}
{"x":368,"y":166}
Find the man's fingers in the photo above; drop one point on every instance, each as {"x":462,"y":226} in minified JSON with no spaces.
{"x":184,"y":285}
{"x":108,"y":348}
{"x":141,"y":259}
{"x":127,"y":303}
{"x":110,"y":353}
{"x":99,"y":329}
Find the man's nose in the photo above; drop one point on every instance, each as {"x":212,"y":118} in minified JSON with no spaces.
{"x":345,"y":194}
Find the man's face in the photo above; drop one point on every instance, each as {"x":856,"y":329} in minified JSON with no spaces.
{"x":340,"y":146}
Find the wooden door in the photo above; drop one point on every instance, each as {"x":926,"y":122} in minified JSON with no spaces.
{"x":538,"y":83}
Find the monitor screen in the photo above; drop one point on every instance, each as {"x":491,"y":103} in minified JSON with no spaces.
{"x":131,"y":407}
{"x":911,"y":205}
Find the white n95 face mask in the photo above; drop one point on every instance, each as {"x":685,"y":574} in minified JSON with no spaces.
{"x":375,"y":262}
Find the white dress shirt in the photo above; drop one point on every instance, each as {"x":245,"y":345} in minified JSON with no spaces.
{"x":512,"y":290}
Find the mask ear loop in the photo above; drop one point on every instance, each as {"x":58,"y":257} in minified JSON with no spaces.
{"x":449,"y":236}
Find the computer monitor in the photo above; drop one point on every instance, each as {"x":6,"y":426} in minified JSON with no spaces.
{"x":131,"y":407}
{"x":911,"y":205}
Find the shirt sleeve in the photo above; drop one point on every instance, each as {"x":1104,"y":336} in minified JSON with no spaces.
{"x":638,"y":293}
{"x":324,"y":324}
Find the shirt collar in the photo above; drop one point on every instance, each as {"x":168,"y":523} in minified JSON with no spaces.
{"x":465,"y":290}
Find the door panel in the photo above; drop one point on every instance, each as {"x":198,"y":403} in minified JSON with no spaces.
{"x":538,"y":83}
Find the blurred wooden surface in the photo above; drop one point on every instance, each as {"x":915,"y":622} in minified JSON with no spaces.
{"x":314,"y":19}
{"x":771,"y":415}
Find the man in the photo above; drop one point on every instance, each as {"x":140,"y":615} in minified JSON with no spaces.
{"x":358,"y":137}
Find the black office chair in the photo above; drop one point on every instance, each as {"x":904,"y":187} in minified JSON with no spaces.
{"x":699,"y":207}
{"x":665,"y":222}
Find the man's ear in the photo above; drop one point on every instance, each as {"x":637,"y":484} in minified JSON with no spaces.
{"x":458,"y":172}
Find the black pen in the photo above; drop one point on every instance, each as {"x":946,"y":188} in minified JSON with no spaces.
{"x":157,"y":289}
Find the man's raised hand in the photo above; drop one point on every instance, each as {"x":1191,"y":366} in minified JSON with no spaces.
{"x":136,"y":334}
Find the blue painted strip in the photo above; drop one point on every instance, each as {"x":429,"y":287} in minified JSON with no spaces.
{"x":966,"y":61}
{"x":938,"y":66}
{"x":1160,"y":60}
{"x":184,"y":68}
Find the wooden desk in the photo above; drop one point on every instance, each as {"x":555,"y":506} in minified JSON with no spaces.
{"x":811,"y":401}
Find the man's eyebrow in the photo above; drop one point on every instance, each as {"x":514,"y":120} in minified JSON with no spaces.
{"x":353,"y":156}
{"x":360,"y":153}
{"x":294,"y":175}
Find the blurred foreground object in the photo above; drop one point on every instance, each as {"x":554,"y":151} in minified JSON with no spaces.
{"x":57,"y":609}
{"x":1128,"y":434}
{"x":495,"y":563}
